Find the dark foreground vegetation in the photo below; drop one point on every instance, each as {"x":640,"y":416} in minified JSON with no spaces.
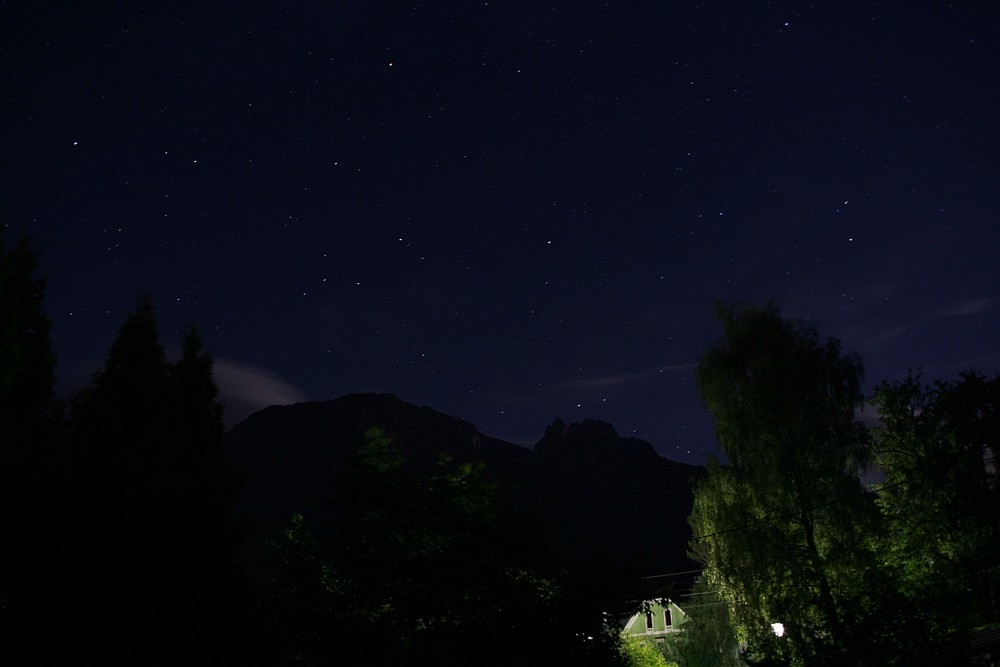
{"x":121,"y":542}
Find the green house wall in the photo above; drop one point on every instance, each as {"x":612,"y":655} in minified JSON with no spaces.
{"x":636,"y":626}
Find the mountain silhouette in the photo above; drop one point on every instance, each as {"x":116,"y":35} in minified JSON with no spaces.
{"x":594,"y":493}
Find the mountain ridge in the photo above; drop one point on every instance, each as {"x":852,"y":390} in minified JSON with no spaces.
{"x":595,"y":493}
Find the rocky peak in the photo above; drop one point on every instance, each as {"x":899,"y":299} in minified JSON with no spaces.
{"x":591,"y":439}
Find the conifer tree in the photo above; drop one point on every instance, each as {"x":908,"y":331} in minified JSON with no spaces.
{"x":27,"y":364}
{"x":32,"y":470}
{"x":156,"y":500}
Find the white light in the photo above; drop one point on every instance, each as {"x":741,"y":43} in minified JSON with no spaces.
{"x":779,"y":629}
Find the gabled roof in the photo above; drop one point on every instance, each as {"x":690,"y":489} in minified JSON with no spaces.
{"x":654,"y":605}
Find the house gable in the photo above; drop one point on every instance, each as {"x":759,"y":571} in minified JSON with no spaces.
{"x":657,"y":620}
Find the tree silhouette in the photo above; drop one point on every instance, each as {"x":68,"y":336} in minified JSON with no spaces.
{"x":33,"y":473}
{"x":158,"y":574}
{"x":27,"y":364}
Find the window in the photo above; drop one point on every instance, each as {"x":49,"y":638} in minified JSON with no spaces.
{"x":668,"y":617}
{"x":649,"y":621}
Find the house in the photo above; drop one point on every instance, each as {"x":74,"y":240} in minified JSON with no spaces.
{"x":656,"y":621}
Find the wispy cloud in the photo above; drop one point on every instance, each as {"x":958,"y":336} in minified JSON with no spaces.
{"x":970,"y":307}
{"x":244,"y":389}
{"x":624,"y":378}
{"x":870,"y":339}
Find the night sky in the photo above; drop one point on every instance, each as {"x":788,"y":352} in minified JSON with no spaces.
{"x":509,"y":211}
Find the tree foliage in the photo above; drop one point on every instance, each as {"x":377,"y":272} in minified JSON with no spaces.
{"x":708,"y":638}
{"x":427,"y":568}
{"x":781,"y":529}
{"x":938,"y":445}
{"x":640,"y":653}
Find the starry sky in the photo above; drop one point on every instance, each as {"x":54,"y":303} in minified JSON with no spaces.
{"x":509,"y":211}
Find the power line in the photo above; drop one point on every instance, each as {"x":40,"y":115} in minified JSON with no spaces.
{"x":672,"y":574}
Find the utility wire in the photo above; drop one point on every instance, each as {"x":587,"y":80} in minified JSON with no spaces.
{"x":672,"y":574}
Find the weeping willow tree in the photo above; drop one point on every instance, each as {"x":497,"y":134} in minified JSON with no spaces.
{"x":781,"y":529}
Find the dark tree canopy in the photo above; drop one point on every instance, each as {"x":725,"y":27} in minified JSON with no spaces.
{"x":33,"y":473}
{"x":783,"y":400}
{"x":428,"y":569}
{"x":27,"y":364}
{"x":938,"y":445}
{"x":126,"y":420}
{"x":154,"y":517}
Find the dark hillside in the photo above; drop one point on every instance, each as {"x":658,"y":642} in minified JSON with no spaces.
{"x":604,"y":494}
{"x":594,"y":492}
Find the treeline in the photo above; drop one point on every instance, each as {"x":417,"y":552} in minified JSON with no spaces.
{"x":428,"y":569}
{"x":120,"y":540}
{"x":117,"y":506}
{"x":817,"y":568}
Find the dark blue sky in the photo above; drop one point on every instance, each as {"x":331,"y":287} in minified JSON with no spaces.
{"x":510,"y":211}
